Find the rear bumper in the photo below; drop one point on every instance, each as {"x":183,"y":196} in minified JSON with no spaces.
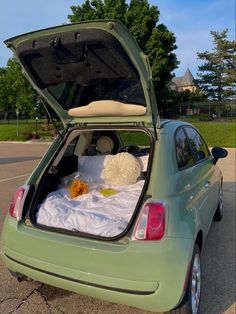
{"x":146,"y":288}
{"x":149,"y":276}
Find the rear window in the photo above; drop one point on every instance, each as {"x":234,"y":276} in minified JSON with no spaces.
{"x":71,"y":95}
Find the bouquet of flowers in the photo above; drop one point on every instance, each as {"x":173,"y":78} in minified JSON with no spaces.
{"x":78,"y":187}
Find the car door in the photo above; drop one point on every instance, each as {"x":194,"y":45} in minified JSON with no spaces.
{"x":205,"y":179}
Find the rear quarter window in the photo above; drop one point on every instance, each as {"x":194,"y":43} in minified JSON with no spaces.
{"x":183,"y":151}
{"x":198,"y":145}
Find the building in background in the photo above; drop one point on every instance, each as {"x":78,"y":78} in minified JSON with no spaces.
{"x":182,"y":83}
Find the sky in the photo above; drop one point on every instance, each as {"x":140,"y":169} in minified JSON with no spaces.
{"x":190,"y":20}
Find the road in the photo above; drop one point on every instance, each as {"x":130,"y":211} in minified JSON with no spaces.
{"x":218,"y":292}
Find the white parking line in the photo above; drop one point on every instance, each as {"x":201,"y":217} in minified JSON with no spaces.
{"x":12,"y":178}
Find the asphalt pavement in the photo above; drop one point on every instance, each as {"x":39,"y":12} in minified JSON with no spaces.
{"x":218,"y":259}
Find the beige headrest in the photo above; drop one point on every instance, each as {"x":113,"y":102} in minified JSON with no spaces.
{"x":105,"y":145}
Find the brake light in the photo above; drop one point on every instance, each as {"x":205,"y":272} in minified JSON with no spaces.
{"x":16,"y":205}
{"x":151,"y":222}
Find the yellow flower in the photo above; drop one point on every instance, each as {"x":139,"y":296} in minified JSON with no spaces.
{"x":77,"y":188}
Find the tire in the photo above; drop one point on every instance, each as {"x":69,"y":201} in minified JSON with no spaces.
{"x":219,"y":211}
{"x":191,"y":301}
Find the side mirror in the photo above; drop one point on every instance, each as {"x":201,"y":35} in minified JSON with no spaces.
{"x":218,"y":152}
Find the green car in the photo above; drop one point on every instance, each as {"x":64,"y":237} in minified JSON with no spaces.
{"x":121,"y":204}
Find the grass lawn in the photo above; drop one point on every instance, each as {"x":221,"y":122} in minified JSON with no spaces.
{"x":215,"y":133}
{"x":8,"y":132}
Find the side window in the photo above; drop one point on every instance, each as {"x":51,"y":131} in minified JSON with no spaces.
{"x":197,"y":143}
{"x":183,"y":152}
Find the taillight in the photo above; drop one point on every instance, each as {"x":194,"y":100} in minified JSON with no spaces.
{"x":151,"y":222}
{"x":16,"y":205}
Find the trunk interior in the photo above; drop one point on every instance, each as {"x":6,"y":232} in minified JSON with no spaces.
{"x":96,"y":184}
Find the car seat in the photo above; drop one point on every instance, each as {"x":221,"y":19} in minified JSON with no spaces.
{"x":105,"y":145}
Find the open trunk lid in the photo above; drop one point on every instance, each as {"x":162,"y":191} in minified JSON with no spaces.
{"x":94,"y":69}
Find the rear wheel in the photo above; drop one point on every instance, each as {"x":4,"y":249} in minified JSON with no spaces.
{"x":191,"y":301}
{"x":219,"y":211}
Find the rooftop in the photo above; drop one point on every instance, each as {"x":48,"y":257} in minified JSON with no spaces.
{"x":186,"y":80}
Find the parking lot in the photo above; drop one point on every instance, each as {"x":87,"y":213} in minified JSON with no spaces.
{"x":218,"y":292}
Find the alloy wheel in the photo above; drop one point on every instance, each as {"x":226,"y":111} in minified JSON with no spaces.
{"x":196,"y":284}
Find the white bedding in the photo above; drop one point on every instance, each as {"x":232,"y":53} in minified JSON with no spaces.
{"x":91,"y":213}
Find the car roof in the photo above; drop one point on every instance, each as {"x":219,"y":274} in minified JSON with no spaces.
{"x":172,"y":124}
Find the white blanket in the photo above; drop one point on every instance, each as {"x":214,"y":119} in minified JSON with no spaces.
{"x":91,"y":213}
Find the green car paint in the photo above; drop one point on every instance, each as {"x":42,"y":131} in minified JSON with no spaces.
{"x":150,"y":275}
{"x":138,"y":274}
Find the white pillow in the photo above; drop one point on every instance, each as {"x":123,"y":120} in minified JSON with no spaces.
{"x":92,"y":166}
{"x":121,"y":169}
{"x":143,"y":161}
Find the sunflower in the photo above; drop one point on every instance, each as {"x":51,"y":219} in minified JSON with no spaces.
{"x":77,"y":188}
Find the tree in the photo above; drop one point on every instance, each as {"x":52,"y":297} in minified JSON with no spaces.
{"x":163,"y":61}
{"x":5,"y":106}
{"x":217,"y":74}
{"x":141,"y":19}
{"x":186,"y":96}
{"x":15,"y":90}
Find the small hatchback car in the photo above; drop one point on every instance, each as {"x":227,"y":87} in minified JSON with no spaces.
{"x":120,"y":205}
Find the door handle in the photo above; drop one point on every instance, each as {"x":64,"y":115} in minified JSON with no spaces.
{"x":207,"y":184}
